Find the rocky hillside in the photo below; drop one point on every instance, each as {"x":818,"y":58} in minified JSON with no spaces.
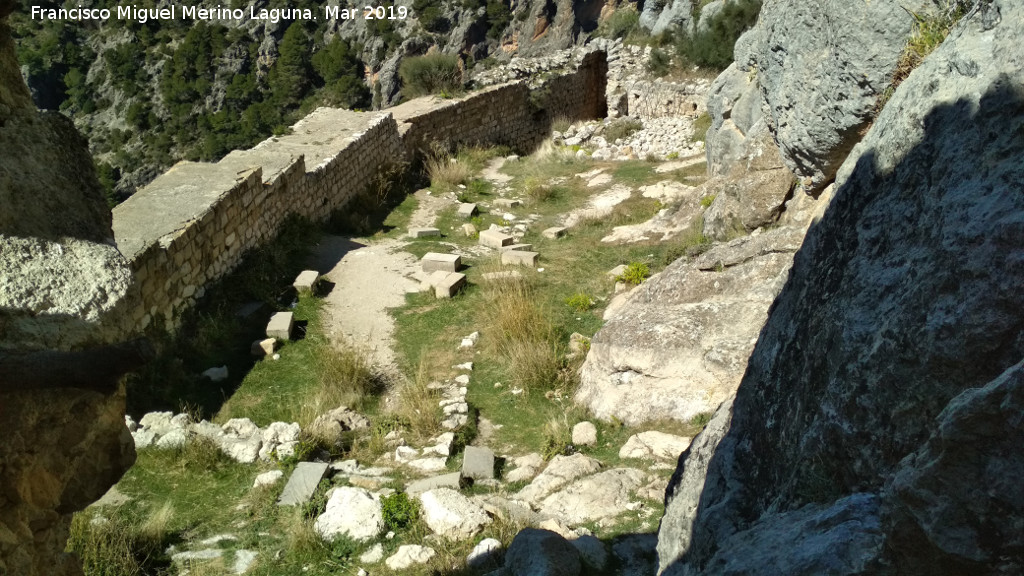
{"x":876,"y":429}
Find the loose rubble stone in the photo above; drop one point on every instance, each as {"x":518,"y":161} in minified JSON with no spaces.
{"x":263,"y":347}
{"x":453,"y":481}
{"x":373,"y":555}
{"x":584,"y":434}
{"x":409,"y":555}
{"x":218,"y":374}
{"x":244,"y":560}
{"x":354,"y":512}
{"x":330,"y":426}
{"x":429,"y":464}
{"x":486,"y":553}
{"x":469,"y":230}
{"x":268,"y":478}
{"x":280,"y":326}
{"x":451,"y":515}
{"x":554,"y":232}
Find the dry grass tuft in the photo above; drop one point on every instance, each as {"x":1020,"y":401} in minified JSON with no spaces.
{"x":345,"y":378}
{"x":446,"y":171}
{"x":417,"y":404}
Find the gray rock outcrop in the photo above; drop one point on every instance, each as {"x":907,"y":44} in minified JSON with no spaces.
{"x":821,"y":68}
{"x":877,"y":424}
{"x":65,"y":295}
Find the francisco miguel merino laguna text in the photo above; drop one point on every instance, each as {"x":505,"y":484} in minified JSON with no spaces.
{"x":142,"y":15}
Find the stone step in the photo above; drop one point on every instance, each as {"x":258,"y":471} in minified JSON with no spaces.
{"x":280,"y":326}
{"x":449,"y":285}
{"x":305,"y":281}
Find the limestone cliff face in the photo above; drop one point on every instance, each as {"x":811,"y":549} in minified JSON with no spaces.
{"x":64,"y":290}
{"x":877,"y":427}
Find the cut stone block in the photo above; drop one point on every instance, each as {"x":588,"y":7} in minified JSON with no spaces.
{"x":495,"y":239}
{"x":423,"y":232}
{"x":453,"y":480}
{"x":519,"y":258}
{"x":469,"y":230}
{"x":450,"y":285}
{"x":478,"y":463}
{"x":305,"y":280}
{"x":520,"y":247}
{"x":303,"y":483}
{"x":554,"y":232}
{"x":280,"y":326}
{"x":262,"y":348}
{"x":434,"y":261}
{"x":467,"y":209}
{"x":508,"y":202}
{"x":503,"y":275}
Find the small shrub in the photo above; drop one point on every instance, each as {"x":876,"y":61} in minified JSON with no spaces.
{"x":203,"y":454}
{"x":343,"y":548}
{"x":701,"y":125}
{"x":706,"y":201}
{"x":672,"y":156}
{"x":316,"y":505}
{"x":580,"y":302}
{"x":535,"y":365}
{"x":417,"y":404}
{"x":557,"y":440}
{"x":713,"y":48}
{"x":399,"y":511}
{"x":659,"y":63}
{"x":560,"y":124}
{"x":701,"y":420}
{"x":113,"y":547}
{"x":620,"y":24}
{"x":478,"y":187}
{"x":538,"y":191}
{"x":430,"y":74}
{"x":622,"y":128}
{"x":635,"y":274}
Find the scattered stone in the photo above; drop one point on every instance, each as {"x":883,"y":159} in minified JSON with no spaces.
{"x":508,"y":203}
{"x":175,"y":438}
{"x":130,"y":423}
{"x":268,"y":478}
{"x":406,"y":454}
{"x":409,"y":555}
{"x":478,"y":463}
{"x":485,"y":554}
{"x":241,"y":440}
{"x":190,"y":557}
{"x":373,"y":555}
{"x":306,"y":280}
{"x":469,"y":230}
{"x":330,"y":426}
{"x":502,"y":275}
{"x":423,"y":232}
{"x":470,"y":341}
{"x":560,"y":471}
{"x":434,"y":261}
{"x":280,"y":326}
{"x":507,"y":217}
{"x":262,"y":348}
{"x":519,"y":247}
{"x":451,"y":515}
{"x":495,"y":239}
{"x":354,"y":512}
{"x":217,"y":374}
{"x":584,"y":434}
{"x":592,"y":551}
{"x":654,"y":444}
{"x":369,"y":482}
{"x":554,"y":232}
{"x":526,"y":467}
{"x":449,"y":285}
{"x":462,"y":379}
{"x":536,"y":552}
{"x":467,"y":209}
{"x":302,"y":484}
{"x":279,"y":440}
{"x":453,"y":481}
{"x":464,"y":366}
{"x":243,"y":560}
{"x":519,"y":258}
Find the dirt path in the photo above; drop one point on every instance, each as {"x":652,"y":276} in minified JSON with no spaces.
{"x":369,"y":278}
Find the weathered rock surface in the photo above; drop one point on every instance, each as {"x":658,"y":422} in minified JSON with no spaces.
{"x":888,"y":369}
{"x":330,"y":426}
{"x":451,"y":515}
{"x":654,"y":444}
{"x":559,"y":472}
{"x":409,"y":555}
{"x":678,"y":346}
{"x":850,"y":49}
{"x":354,"y":512}
{"x":541,"y":553}
{"x":65,"y":298}
{"x":603,"y":495}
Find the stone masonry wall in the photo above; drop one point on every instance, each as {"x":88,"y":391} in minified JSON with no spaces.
{"x":192,"y":225}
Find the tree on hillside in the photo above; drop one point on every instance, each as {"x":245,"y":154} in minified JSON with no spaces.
{"x":341,"y":71}
{"x":289,"y":76}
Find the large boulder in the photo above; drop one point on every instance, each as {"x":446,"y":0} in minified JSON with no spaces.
{"x":451,"y":515}
{"x":861,"y":399}
{"x":679,"y":344}
{"x":536,"y":552}
{"x":354,"y":512}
